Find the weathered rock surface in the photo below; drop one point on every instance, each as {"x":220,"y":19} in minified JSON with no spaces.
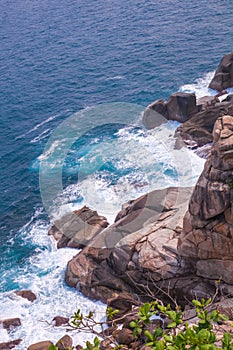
{"x":78,"y":228}
{"x":223,"y":77}
{"x":207,"y":236}
{"x":138,"y":254}
{"x":26,"y":294}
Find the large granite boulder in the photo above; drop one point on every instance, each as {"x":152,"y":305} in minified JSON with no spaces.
{"x":223,"y":77}
{"x":78,"y":228}
{"x":207,"y":235}
{"x":138,"y":253}
{"x":180,"y":106}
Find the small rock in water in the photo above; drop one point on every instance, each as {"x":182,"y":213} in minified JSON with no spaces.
{"x":59,"y":321}
{"x":11,"y":323}
{"x":10,"y":345}
{"x":26,"y":294}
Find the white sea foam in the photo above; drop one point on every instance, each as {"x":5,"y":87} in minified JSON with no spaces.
{"x":44,"y":275}
{"x":37,"y":126}
{"x":200,"y":86}
{"x":116,"y":77}
{"x":142,"y":161}
{"x":42,"y":135}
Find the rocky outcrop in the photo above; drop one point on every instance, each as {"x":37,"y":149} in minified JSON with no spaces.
{"x":207,"y":236}
{"x":198,"y":129}
{"x":78,"y":228}
{"x":223,"y":77}
{"x":138,"y":254}
{"x":197,"y":117}
{"x":180,"y":106}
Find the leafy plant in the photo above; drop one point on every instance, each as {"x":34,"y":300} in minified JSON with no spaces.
{"x":172,"y":334}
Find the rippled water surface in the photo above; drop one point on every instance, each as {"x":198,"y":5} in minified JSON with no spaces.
{"x":62,"y":59}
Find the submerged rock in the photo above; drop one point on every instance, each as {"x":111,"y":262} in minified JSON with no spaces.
{"x":223,"y":77}
{"x":78,"y":228}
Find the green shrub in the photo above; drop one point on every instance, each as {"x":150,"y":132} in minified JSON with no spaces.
{"x":174,"y":334}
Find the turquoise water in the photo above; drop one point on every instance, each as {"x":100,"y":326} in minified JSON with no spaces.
{"x":59,"y":61}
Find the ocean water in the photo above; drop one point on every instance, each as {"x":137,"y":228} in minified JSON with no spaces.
{"x":75,"y":77}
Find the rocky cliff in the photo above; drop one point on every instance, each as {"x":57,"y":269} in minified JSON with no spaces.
{"x":207,"y":236}
{"x":169,"y":242}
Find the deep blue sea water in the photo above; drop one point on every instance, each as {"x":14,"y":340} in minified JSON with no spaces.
{"x":59,"y":61}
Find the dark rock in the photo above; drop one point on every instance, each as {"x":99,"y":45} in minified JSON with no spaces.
{"x":181,"y":106}
{"x":155,"y":114}
{"x":11,"y":323}
{"x":208,"y":238}
{"x":124,"y":336}
{"x":42,"y":345}
{"x":78,"y":228}
{"x":10,"y":345}
{"x":27,"y":294}
{"x":123,"y":303}
{"x":59,"y":321}
{"x":223,"y":77}
{"x":65,"y":343}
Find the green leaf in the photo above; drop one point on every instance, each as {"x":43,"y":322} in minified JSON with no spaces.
{"x":148,"y":335}
{"x":196,"y":303}
{"x":171,"y":325}
{"x":53,"y":347}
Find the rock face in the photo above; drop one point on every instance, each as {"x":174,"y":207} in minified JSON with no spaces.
{"x":198,"y":129}
{"x":197,"y":116}
{"x":207,"y":236}
{"x":223,"y":77}
{"x":78,"y":228}
{"x":138,"y":254}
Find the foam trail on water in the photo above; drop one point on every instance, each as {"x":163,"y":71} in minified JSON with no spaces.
{"x":39,"y":125}
{"x":42,"y":136}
